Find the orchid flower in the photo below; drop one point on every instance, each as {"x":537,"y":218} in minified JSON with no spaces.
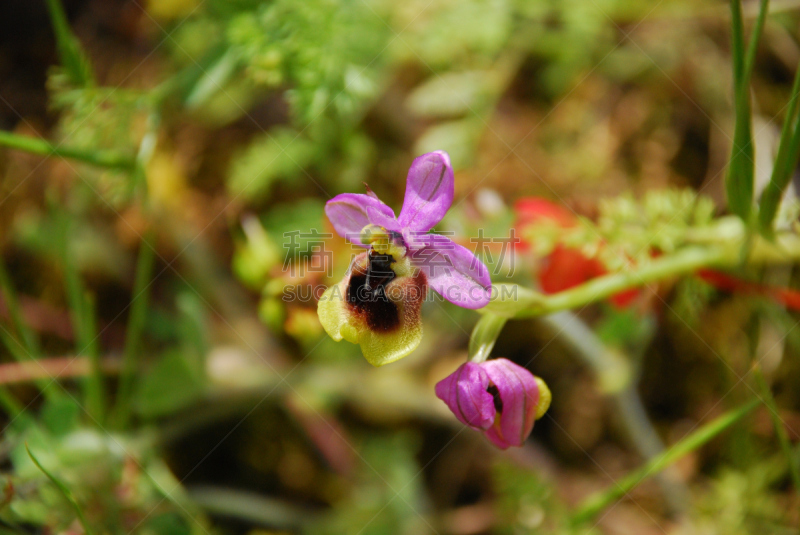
{"x":377,"y":304}
{"x":497,"y":397}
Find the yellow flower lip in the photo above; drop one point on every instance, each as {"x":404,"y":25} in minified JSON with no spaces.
{"x":384,"y":318}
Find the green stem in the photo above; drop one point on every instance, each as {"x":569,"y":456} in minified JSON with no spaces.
{"x":785,"y":160}
{"x":19,"y":354}
{"x":251,"y":508}
{"x":688,"y":260}
{"x":484,"y":335}
{"x":780,"y":431}
{"x":593,"y":505}
{"x":755,"y":37}
{"x":512,"y":301}
{"x":616,"y":378}
{"x":42,"y":147}
{"x":12,"y":407}
{"x":72,"y":56}
{"x":26,"y":350}
{"x":141,"y":287}
{"x":94,"y":382}
{"x":740,"y":177}
{"x":65,"y":492}
{"x":81,"y":311}
{"x":29,"y":340}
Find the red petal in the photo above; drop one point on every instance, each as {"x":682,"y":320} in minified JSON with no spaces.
{"x":536,"y":209}
{"x":567,"y":267}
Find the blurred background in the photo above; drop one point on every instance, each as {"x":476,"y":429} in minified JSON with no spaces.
{"x":162,"y":357}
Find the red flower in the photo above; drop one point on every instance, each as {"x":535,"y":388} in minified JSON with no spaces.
{"x":565,"y":267}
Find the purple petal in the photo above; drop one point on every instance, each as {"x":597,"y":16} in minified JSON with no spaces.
{"x":429,"y":191}
{"x":452,"y":270}
{"x":387,"y":221}
{"x":348,"y":213}
{"x":519,"y":394}
{"x":464,"y":392}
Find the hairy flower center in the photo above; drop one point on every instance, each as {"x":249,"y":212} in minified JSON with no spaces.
{"x":387,"y":242}
{"x":367,"y":292}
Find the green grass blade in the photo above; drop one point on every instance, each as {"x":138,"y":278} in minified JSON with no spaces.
{"x":20,"y":354}
{"x":10,"y":404}
{"x":81,"y":311}
{"x":593,"y":505}
{"x":140,"y":294}
{"x":64,"y":492}
{"x":780,"y":431}
{"x":73,"y":59}
{"x":25,"y":350}
{"x":94,"y":383}
{"x":29,"y":339}
{"x":484,"y":335}
{"x":741,"y":171}
{"x":45,"y":148}
{"x":752,"y":47}
{"x":785,"y":161}
{"x":214,"y":79}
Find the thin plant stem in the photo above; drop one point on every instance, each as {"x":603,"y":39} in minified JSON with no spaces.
{"x":29,"y":338}
{"x":484,"y":335}
{"x":593,"y":505}
{"x":95,"y":380}
{"x":65,"y":492}
{"x":140,"y":296}
{"x":755,"y":37}
{"x":82,"y":314}
{"x":512,"y":301}
{"x":251,"y":508}
{"x":616,"y":379}
{"x":100,"y":158}
{"x":740,"y":177}
{"x":10,"y":404}
{"x":19,"y":354}
{"x":73,"y":59}
{"x":26,"y":350}
{"x":780,"y":431}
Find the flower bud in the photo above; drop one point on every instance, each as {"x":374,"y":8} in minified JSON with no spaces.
{"x":497,"y":397}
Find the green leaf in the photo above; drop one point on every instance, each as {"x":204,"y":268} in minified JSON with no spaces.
{"x":60,"y":416}
{"x":64,"y":492}
{"x":785,"y":161}
{"x":140,"y":299}
{"x":281,"y":154}
{"x":459,"y":138}
{"x":213,"y":80}
{"x":448,"y":95}
{"x":73,"y":58}
{"x":99,"y":158}
{"x":780,"y":430}
{"x":172,"y":384}
{"x":741,"y":172}
{"x":595,"y":503}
